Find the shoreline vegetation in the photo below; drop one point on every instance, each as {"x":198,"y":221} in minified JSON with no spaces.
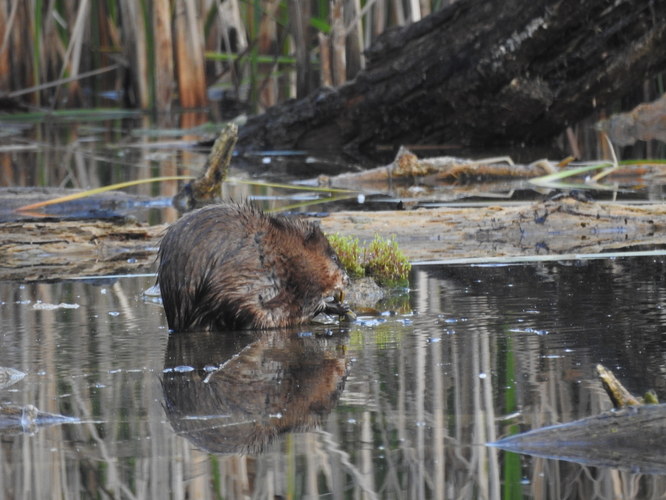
{"x":155,"y":54}
{"x":229,"y":58}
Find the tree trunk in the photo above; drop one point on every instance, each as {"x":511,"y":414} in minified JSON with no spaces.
{"x":478,"y":72}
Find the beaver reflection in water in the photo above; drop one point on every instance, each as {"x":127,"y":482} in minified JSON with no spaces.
{"x":231,"y":266}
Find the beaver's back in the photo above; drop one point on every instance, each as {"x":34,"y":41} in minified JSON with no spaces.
{"x":232,"y":266}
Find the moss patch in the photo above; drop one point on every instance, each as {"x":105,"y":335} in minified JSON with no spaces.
{"x":380,"y":259}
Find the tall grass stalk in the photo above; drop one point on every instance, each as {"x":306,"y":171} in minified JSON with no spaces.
{"x":37,"y":35}
{"x":189,"y":55}
{"x":4,"y":39}
{"x":135,"y":49}
{"x":163,"y":61}
{"x":72,"y":57}
{"x":170,"y":51}
{"x":251,"y":53}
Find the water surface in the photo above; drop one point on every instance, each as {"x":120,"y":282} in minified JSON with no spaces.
{"x":398,"y":405}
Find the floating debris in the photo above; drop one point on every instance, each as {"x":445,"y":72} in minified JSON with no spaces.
{"x":643,"y":123}
{"x":9,"y":376}
{"x":27,"y":419}
{"x":44,"y":306}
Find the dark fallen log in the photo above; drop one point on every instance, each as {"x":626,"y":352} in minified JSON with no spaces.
{"x":632,"y":439}
{"x":476,"y":73}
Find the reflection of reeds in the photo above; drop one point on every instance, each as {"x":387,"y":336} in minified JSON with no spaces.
{"x":417,"y":406}
{"x":260,"y":51}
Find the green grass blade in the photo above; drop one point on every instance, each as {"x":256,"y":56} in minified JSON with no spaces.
{"x":92,"y":192}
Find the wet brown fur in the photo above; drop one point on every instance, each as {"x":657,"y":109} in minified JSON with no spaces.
{"x":231,"y":266}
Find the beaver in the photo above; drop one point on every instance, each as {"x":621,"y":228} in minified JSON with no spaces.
{"x":231,"y":266}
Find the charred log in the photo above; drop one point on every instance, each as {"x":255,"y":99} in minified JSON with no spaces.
{"x":478,"y":73}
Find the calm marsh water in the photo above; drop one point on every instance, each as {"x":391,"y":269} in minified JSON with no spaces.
{"x":398,"y":405}
{"x":392,"y":406}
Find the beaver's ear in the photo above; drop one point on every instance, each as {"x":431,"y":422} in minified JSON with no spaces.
{"x":313,"y":234}
{"x":277,"y":222}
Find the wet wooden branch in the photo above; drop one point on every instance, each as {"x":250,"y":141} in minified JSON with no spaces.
{"x":556,"y":227}
{"x":44,"y":251}
{"x":56,"y":250}
{"x":207,"y":188}
{"x":618,"y":394}
{"x":406,"y":168}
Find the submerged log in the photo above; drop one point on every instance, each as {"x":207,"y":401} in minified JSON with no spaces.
{"x":476,"y":73}
{"x":57,"y":250}
{"x":633,"y":438}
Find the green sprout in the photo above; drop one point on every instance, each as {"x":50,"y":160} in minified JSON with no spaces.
{"x":380,"y":259}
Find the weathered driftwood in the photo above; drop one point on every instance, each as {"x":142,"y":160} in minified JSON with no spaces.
{"x":207,"y":188}
{"x":618,"y":394}
{"x":408,"y":171}
{"x":38,"y":251}
{"x":477,"y":72}
{"x":56,"y":250}
{"x":645,"y":122}
{"x":562,"y":226}
{"x":633,"y":439}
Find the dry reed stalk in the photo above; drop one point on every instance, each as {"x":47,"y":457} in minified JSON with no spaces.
{"x":414,"y":11}
{"x":299,"y":12}
{"x":354,"y":32}
{"x":399,"y":16}
{"x":379,"y":20}
{"x":266,"y":42}
{"x":325,"y":75}
{"x":229,"y":22}
{"x":338,"y":42}
{"x":71,"y":60}
{"x":425,"y":8}
{"x":229,"y":15}
{"x":20,"y":47}
{"x":134,"y":34}
{"x":573,"y":143}
{"x":189,"y":56}
{"x":52,"y":48}
{"x":4,"y":53}
{"x":163,"y":55}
